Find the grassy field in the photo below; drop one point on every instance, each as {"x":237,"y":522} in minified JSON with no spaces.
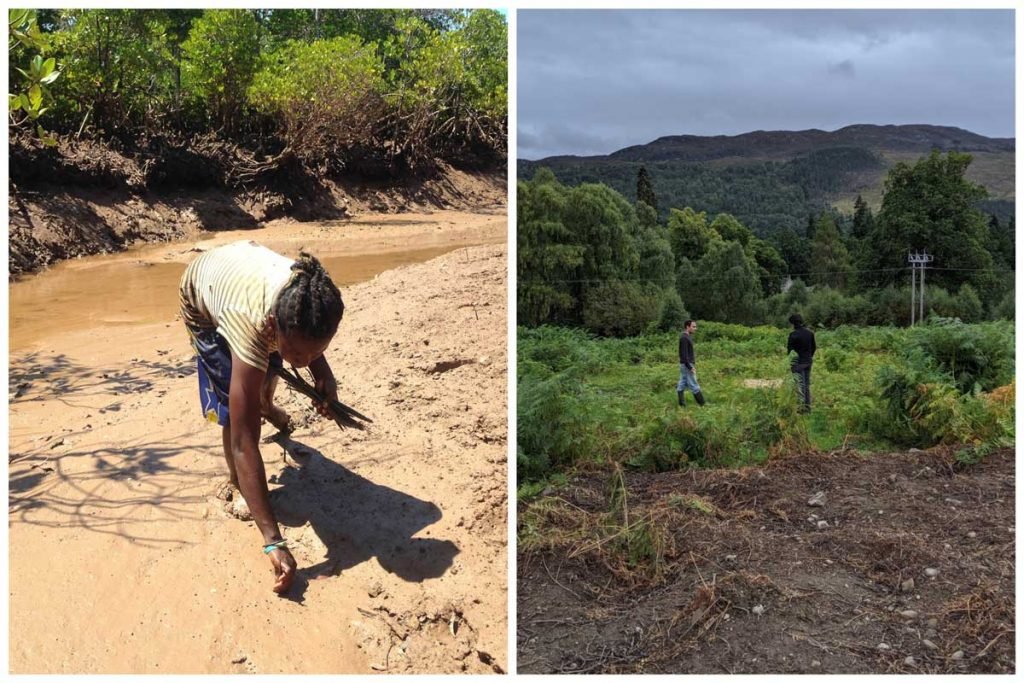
{"x":585,"y":401}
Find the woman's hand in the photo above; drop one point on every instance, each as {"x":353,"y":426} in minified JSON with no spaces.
{"x":328,"y":388}
{"x":284,"y":569}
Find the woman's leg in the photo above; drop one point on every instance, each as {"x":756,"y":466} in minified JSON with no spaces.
{"x":226,"y":437}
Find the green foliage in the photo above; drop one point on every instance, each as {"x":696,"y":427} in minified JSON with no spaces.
{"x":972,"y":356}
{"x":795,"y":251}
{"x":448,"y":87}
{"x":584,"y":258}
{"x":1006,"y":308}
{"x":644,"y":189}
{"x":771,"y":266}
{"x":552,"y":423}
{"x":731,"y":230}
{"x":827,"y":307}
{"x":221,"y":56}
{"x":724,"y":285}
{"x":776,"y":422}
{"x":621,"y":309}
{"x":765,"y":196}
{"x":121,"y":69}
{"x":689,"y":234}
{"x":586,"y":400}
{"x":327,"y":96}
{"x":546,"y":257}
{"x":830,"y":261}
{"x":673,"y":312}
{"x":395,"y":88}
{"x":670,"y":442}
{"x":924,"y":413}
{"x":930,"y":206}
{"x":936,"y":393}
{"x":27,"y":100}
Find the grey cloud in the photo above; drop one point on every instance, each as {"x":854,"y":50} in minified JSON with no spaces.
{"x":595,"y":81}
{"x":843,"y":68}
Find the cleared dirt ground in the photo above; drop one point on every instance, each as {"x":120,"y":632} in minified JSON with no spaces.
{"x":906,"y":566}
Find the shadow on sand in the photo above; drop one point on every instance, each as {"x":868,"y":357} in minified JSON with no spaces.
{"x":356,"y":520}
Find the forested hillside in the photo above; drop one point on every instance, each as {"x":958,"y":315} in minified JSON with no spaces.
{"x":773,"y":180}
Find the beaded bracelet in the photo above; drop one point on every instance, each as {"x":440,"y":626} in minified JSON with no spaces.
{"x":271,"y":547}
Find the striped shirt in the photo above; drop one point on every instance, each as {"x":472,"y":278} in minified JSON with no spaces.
{"x":231,"y":289}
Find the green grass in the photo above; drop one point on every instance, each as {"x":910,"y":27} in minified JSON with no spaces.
{"x":619,"y":403}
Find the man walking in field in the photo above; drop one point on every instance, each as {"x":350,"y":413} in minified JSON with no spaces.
{"x":801,"y":341}
{"x":687,"y":368}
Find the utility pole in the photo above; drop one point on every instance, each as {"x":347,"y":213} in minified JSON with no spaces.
{"x":918,"y":262}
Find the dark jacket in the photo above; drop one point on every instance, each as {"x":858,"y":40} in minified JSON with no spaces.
{"x":801,"y":340}
{"x":686,"y":351}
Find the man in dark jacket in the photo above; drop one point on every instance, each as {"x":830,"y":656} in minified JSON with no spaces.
{"x":687,"y":368}
{"x":801,"y":341}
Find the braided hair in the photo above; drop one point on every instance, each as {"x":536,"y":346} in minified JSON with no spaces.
{"x":309,"y":304}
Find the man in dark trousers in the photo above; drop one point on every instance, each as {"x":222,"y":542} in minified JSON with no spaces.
{"x":801,"y":341}
{"x":687,"y":369}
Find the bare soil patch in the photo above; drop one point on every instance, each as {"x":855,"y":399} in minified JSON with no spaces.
{"x":907,"y":566}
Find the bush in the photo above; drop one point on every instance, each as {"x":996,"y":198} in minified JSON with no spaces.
{"x":553,"y":427}
{"x":220,"y":58}
{"x":326,"y":96}
{"x":620,"y":309}
{"x":776,"y":422}
{"x":554,"y":348}
{"x":919,"y":411}
{"x":1006,"y":308}
{"x":669,"y":443}
{"x":673,"y":312}
{"x":827,"y":307}
{"x":971,"y":355}
{"x":968,"y":304}
{"x":889,"y":306}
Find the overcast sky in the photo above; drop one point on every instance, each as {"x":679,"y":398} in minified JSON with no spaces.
{"x":592,"y":82}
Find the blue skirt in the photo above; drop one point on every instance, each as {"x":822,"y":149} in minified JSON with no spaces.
{"x":214,"y":365}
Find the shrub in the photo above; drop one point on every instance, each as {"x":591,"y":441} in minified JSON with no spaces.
{"x":555,"y":348}
{"x":776,"y":422}
{"x":220,"y":58}
{"x":326,"y":95}
{"x":553,"y":426}
{"x":971,"y":355}
{"x":620,"y":309}
{"x":1005,"y":309}
{"x":828,"y":307}
{"x":673,"y":312}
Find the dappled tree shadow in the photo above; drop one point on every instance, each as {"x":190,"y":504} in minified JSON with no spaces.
{"x":118,"y":492}
{"x":36,"y":376}
{"x":357,"y":519}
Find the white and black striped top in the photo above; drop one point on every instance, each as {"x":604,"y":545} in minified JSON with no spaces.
{"x":232,"y":288}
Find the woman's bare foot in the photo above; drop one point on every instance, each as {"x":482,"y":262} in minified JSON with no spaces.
{"x":227,"y":491}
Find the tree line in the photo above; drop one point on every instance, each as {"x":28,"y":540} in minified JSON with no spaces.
{"x":587,"y":257}
{"x":340,"y":88}
{"x":765,"y":195}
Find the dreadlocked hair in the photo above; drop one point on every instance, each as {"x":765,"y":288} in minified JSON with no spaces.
{"x":309,"y":304}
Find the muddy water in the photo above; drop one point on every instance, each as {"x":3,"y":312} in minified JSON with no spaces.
{"x":133,"y":288}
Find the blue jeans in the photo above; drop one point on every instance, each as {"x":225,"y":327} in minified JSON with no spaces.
{"x":687,"y":381}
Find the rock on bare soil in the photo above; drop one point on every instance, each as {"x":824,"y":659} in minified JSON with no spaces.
{"x":912,"y":572}
{"x":123,"y":557}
